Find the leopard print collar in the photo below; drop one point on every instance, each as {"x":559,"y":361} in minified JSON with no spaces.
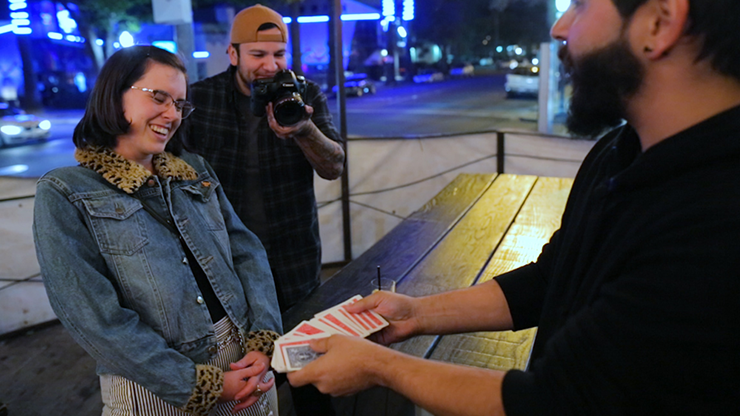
{"x":130,"y":176}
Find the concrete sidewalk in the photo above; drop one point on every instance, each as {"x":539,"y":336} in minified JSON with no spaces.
{"x":44,"y":372}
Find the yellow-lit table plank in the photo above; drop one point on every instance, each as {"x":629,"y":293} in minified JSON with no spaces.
{"x":399,"y":250}
{"x":461,"y":255}
{"x":533,"y":227}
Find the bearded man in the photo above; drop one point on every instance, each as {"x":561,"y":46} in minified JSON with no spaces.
{"x":636,"y":296}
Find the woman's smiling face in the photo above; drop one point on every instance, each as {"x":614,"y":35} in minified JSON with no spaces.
{"x":152,"y":122}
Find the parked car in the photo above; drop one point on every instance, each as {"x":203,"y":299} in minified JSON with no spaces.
{"x":466,"y":70}
{"x":429,"y":75}
{"x":356,"y":85}
{"x":523,"y":81}
{"x":16,"y":127}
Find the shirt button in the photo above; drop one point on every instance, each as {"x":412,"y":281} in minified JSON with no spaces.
{"x":200,"y":300}
{"x":184,"y":260}
{"x":213,"y":349}
{"x":150,"y":182}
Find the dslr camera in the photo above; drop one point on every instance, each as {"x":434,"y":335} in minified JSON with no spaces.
{"x":285,"y":92}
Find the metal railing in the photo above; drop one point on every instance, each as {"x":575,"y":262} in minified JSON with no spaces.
{"x":390,"y":177}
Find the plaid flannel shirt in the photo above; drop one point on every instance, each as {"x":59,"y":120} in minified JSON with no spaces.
{"x":218,"y":132}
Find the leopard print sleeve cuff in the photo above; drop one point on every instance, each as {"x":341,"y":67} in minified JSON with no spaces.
{"x":262,"y":341}
{"x":208,"y":388}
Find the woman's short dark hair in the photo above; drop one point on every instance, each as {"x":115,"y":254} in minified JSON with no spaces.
{"x":715,"y":23}
{"x":104,"y":120}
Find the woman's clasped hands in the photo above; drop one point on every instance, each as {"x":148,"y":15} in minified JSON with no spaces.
{"x":244,"y":382}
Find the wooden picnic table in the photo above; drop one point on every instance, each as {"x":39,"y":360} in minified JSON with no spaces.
{"x":477,"y":227}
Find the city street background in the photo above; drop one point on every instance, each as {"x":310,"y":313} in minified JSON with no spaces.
{"x":451,"y":106}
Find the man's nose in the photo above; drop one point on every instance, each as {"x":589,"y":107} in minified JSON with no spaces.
{"x":271,"y":64}
{"x":559,"y":30}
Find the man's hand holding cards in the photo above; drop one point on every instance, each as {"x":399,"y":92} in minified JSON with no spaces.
{"x":292,"y":350}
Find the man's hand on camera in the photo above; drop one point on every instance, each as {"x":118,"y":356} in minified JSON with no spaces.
{"x":301,"y":129}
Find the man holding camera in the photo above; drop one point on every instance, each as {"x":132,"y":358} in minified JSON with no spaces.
{"x":265,"y":131}
{"x":265,"y":158}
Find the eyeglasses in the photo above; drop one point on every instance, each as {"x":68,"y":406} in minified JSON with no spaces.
{"x":164,"y":98}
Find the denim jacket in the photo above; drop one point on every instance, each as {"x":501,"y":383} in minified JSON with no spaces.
{"x":119,"y":280}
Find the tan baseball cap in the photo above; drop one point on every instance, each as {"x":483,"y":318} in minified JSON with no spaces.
{"x":246,"y":22}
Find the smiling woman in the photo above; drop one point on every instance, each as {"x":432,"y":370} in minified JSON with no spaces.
{"x":152,"y":116}
{"x":115,"y":111}
{"x":123,"y":240}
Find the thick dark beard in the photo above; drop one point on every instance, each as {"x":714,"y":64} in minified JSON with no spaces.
{"x":602,"y":82}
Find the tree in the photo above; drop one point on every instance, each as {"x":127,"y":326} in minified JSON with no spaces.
{"x":460,"y":27}
{"x":519,"y":21}
{"x":31,"y":100}
{"x":497,"y":6}
{"x":106,"y":20}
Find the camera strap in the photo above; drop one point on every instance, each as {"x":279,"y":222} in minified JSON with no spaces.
{"x":157,"y":216}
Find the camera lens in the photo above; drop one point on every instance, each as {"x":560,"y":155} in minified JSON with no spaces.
{"x":289,"y":111}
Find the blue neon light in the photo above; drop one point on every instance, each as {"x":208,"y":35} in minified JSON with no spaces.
{"x":388,"y":8}
{"x":66,"y":22}
{"x":408,"y":10}
{"x":385,"y":23}
{"x":126,"y":39}
{"x":201,"y":54}
{"x":345,"y":17}
{"x":20,"y":22}
{"x":167,"y":45}
{"x":360,"y":16}
{"x":68,"y":38}
{"x":313,"y":19}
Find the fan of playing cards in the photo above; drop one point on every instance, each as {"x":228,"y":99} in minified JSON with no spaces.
{"x":292,"y":351}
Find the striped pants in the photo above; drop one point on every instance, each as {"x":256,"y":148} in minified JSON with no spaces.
{"x":123,"y":397}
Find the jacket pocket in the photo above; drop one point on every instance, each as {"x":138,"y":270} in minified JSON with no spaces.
{"x":206,"y":203}
{"x":117,"y":229}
